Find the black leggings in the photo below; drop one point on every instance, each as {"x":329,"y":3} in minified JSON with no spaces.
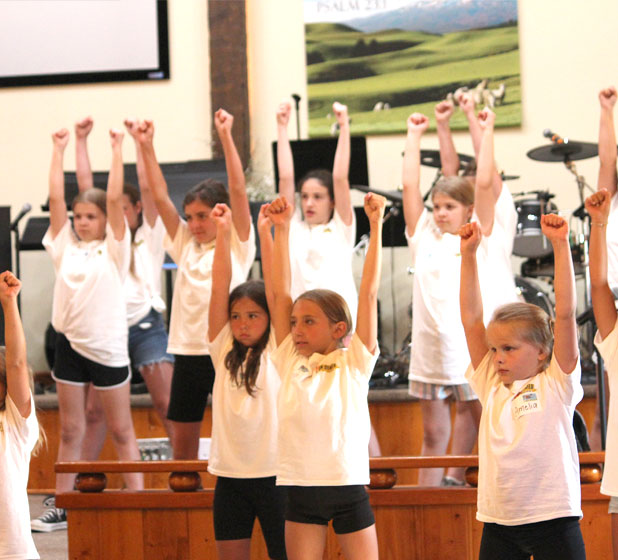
{"x":556,"y":539}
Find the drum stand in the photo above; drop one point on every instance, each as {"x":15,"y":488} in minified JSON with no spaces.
{"x":587,"y":318}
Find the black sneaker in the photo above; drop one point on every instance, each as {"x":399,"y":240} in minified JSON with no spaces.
{"x":52,"y":519}
{"x":449,"y":481}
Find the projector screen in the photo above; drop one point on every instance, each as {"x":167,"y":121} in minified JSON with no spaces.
{"x":45,"y":42}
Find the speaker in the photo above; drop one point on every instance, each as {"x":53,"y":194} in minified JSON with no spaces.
{"x":5,"y":253}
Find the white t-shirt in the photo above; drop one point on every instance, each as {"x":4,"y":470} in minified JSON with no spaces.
{"x":528,"y":462}
{"x":323,"y":415}
{"x":18,"y":436}
{"x":142,"y":287}
{"x":612,"y":244}
{"x":321,"y":257}
{"x":89,"y":307}
{"x":244,"y":427}
{"x":609,"y":352}
{"x":189,"y":318}
{"x":439,"y":350}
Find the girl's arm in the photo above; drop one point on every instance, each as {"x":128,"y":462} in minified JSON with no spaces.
{"x":83,"y":171}
{"x":603,"y":305}
{"x":239,"y":203}
{"x":470,"y":301}
{"x":341,"y":166}
{"x":148,"y":206}
{"x":115,"y":182}
{"x":607,"y":141}
{"x":280,"y":213}
{"x":266,"y":249}
{"x":367,"y":321}
{"x":57,"y":203}
{"x":412,"y":199}
{"x":218,"y":314}
{"x":17,"y":376}
{"x":154,"y":178}
{"x":566,"y":349}
{"x":484,"y":199}
{"x":285,"y":160}
{"x":449,"y":159}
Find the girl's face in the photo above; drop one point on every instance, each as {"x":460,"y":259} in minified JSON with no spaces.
{"x":316,"y":203}
{"x":248,"y":321}
{"x":513,"y":357}
{"x":313,"y":331}
{"x":131,"y":211}
{"x":201,"y":226}
{"x":450,"y":214}
{"x":89,"y":221}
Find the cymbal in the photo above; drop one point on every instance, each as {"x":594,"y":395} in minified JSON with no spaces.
{"x":431,"y":158}
{"x":393,"y":196}
{"x":569,"y":150}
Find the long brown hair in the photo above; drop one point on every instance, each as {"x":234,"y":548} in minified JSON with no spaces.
{"x":241,"y":373}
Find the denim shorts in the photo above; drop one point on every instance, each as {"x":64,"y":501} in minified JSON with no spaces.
{"x":148,"y":341}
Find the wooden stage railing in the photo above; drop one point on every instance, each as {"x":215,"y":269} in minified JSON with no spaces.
{"x":412,"y":523}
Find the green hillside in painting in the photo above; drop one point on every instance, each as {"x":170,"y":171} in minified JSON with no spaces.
{"x":409,"y":71}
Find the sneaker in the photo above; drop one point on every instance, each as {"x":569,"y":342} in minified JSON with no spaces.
{"x":52,"y":519}
{"x":450,"y":481}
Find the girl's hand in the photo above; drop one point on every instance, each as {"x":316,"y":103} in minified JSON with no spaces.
{"x":9,"y":286}
{"x":444,"y":111}
{"x":264,"y":223}
{"x":132,"y":126}
{"x":487,"y":118}
{"x":83,"y":127}
{"x":221,"y":215}
{"x":374,"y":207}
{"x":223,"y":122}
{"x":607,"y":97}
{"x":116,"y":137}
{"x":144,"y":132}
{"x":466,"y":102}
{"x":471,"y":236}
{"x":283,"y":113}
{"x":60,"y":138}
{"x":554,"y":227}
{"x":279,"y":211}
{"x":341,"y":113}
{"x":597,"y":205}
{"x":417,"y":123}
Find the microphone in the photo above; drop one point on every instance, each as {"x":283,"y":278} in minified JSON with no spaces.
{"x":555,"y":138}
{"x":296,"y":98}
{"x":24,"y":210}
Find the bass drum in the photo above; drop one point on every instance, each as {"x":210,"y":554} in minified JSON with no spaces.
{"x":530,"y":292}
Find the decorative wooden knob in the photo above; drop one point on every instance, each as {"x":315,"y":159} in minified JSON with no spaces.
{"x":185,"y":481}
{"x":591,"y":473}
{"x":472,"y":476}
{"x":91,"y":482}
{"x":382,"y":478}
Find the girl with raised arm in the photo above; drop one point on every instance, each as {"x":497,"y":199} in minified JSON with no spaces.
{"x":323,"y":234}
{"x":191,"y":243}
{"x":19,"y":429}
{"x":91,"y":260}
{"x":525,"y":370}
{"x":243,"y":452}
{"x":323,"y":414}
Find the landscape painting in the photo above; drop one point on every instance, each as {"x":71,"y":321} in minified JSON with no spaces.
{"x":388,"y":58}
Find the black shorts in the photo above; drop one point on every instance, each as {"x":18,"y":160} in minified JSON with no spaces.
{"x":191,"y":384}
{"x":238,"y":501}
{"x":75,"y":369}
{"x":347,"y":506}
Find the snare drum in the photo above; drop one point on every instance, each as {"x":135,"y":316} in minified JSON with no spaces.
{"x":529,"y":239}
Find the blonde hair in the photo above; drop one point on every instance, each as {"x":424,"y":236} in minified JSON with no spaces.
{"x":537,"y":327}
{"x":94,"y":196}
{"x":334,"y":306}
{"x":458,"y":188}
{"x":42,"y":438}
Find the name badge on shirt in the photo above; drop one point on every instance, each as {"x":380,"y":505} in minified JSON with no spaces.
{"x":526,"y":402}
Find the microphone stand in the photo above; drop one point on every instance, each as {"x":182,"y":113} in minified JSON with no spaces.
{"x":296,"y":99}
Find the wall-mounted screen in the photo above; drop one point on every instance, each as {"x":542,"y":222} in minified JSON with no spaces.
{"x":45,"y":42}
